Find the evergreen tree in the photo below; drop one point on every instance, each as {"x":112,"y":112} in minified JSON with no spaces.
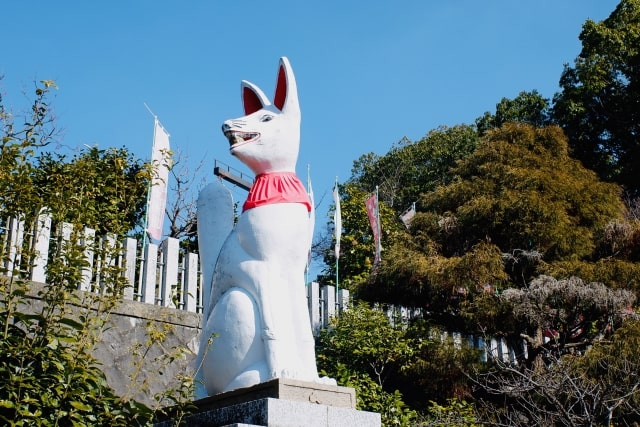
{"x":599,"y":105}
{"x":528,"y":107}
{"x":520,"y":206}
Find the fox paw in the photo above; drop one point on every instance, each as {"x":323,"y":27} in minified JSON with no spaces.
{"x":327,"y":381}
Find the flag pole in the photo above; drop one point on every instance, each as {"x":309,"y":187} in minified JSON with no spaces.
{"x":337,"y":289}
{"x":379,"y":244}
{"x":338,"y":243}
{"x":337,"y":235}
{"x":143,"y":255}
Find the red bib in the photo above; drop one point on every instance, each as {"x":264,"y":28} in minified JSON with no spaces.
{"x":276,"y":187}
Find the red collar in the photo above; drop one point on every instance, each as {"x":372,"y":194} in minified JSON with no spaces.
{"x":276,"y":187}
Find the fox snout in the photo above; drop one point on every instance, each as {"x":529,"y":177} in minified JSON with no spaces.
{"x":236,"y":136}
{"x":226,"y":130}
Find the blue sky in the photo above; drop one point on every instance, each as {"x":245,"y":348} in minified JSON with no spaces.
{"x":368,"y":72}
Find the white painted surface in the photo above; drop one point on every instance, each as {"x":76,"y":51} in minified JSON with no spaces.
{"x":256,"y":320}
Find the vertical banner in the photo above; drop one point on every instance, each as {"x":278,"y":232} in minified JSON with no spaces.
{"x":408,"y":215}
{"x":309,"y":188}
{"x":337,"y":219}
{"x":157,"y":199}
{"x":312,"y":214}
{"x":374,"y":220}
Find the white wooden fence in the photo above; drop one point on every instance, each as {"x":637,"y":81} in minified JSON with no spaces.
{"x":168,"y":276}
{"x":163,"y":275}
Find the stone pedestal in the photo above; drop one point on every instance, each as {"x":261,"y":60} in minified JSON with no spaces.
{"x":281,"y":403}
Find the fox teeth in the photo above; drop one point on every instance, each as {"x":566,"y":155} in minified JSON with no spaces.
{"x":239,"y":137}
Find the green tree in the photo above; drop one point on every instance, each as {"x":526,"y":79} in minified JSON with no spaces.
{"x":390,"y":361}
{"x":522,"y":192}
{"x":357,"y":246}
{"x":437,"y":371}
{"x":414,"y":167}
{"x":362,"y":349}
{"x":401,"y":175}
{"x":456,"y":413}
{"x":438,"y":284}
{"x":528,"y":107}
{"x":364,"y":339}
{"x":93,"y":187}
{"x":598,"y":104}
{"x":520,"y":207}
{"x":48,"y":376}
{"x":17,"y":147}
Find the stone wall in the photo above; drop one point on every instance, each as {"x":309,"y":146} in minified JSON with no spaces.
{"x":138,"y":367}
{"x":144,"y":349}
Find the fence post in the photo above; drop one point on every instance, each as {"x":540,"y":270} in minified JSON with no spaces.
{"x":329,"y":299}
{"x":313,"y":300}
{"x":87,"y":241}
{"x":41,"y":236}
{"x":191,"y":282}
{"x":129,"y":258}
{"x":343,"y":299}
{"x":15,"y":232}
{"x":494,"y":348}
{"x":149,"y":272}
{"x":504,"y":350}
{"x":108,"y":258}
{"x":482,"y":345}
{"x":457,"y":340}
{"x":170,"y":254}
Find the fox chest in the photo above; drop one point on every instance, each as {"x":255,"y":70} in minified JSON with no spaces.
{"x":279,"y":232}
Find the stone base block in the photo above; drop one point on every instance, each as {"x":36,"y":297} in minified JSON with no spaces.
{"x":281,"y":403}
{"x":286,"y":389}
{"x":281,"y":413}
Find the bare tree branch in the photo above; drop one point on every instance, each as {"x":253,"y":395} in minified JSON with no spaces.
{"x":185,"y":184}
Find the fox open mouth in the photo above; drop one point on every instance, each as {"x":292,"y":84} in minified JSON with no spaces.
{"x":238,"y":138}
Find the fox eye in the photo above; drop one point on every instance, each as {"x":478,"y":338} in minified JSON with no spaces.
{"x":266,"y":118}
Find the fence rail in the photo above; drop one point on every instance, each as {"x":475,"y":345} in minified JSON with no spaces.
{"x":160,"y":274}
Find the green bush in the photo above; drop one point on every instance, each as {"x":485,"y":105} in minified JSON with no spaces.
{"x":48,"y":376}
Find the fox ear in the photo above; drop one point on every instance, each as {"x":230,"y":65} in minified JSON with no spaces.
{"x":281,"y":89}
{"x":253,"y":99}
{"x":286,"y":95}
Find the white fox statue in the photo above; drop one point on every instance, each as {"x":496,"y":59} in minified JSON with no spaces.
{"x":255,"y":319}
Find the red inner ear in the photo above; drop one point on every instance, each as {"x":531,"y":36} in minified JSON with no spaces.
{"x":251,"y":101}
{"x":281,"y":89}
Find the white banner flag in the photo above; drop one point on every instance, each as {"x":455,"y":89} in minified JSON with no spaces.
{"x":374,"y":219}
{"x":312,"y":213}
{"x":161,"y":158}
{"x":408,"y":215}
{"x":337,"y":220}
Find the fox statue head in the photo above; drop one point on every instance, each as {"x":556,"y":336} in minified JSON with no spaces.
{"x":267,"y":137}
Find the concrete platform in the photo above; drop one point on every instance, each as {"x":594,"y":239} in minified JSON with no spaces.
{"x":286,"y":389}
{"x":281,"y":403}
